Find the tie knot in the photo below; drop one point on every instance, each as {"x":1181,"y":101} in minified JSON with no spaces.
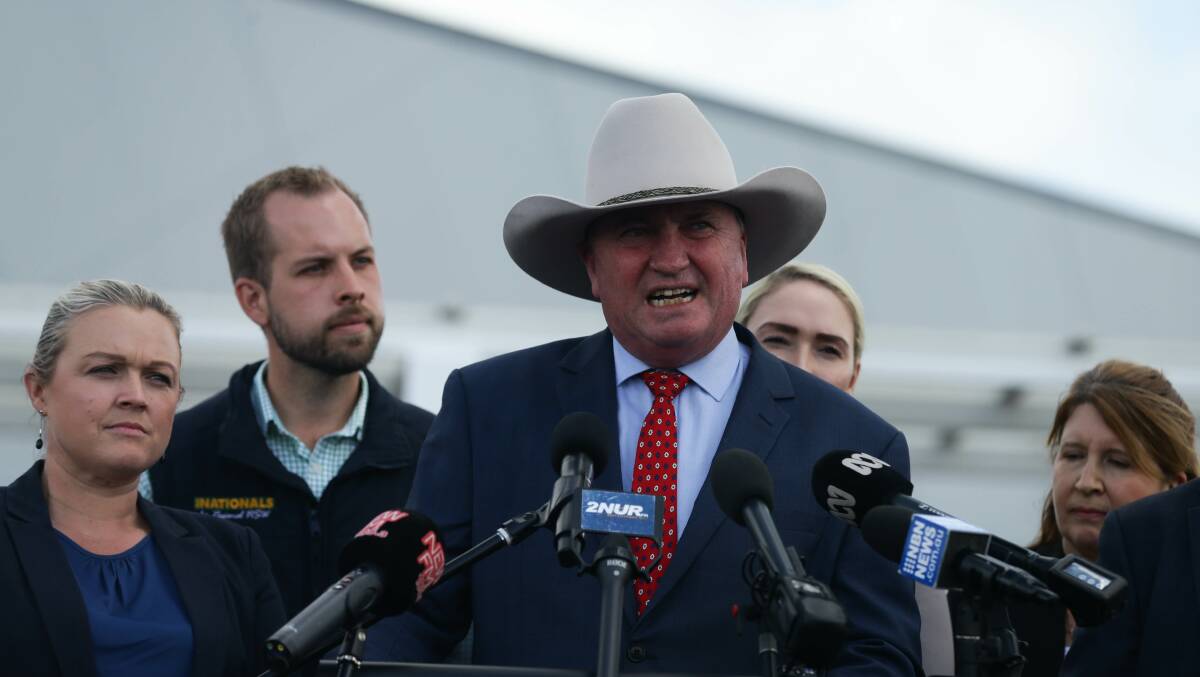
{"x":666,"y":384}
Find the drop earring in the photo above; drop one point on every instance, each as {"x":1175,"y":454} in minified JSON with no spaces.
{"x":41,"y":428}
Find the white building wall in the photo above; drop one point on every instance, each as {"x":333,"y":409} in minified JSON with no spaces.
{"x":128,"y":127}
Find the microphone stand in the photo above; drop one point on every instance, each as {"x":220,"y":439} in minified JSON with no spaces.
{"x":349,"y":659}
{"x":985,"y":644}
{"x":511,"y":532}
{"x":614,"y":565}
{"x":768,"y":650}
{"x":785,"y":613}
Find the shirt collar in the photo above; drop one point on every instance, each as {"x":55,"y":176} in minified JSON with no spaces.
{"x":264,"y":410}
{"x":714,"y":372}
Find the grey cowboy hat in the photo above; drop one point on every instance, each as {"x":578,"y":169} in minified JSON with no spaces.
{"x":652,"y":150}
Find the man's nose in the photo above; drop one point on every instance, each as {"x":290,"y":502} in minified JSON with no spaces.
{"x":350,"y":288}
{"x":670,"y":253}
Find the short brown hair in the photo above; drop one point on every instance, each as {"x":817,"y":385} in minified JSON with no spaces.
{"x":1143,"y":410}
{"x":247,"y":245}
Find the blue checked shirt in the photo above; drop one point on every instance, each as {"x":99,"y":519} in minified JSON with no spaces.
{"x":317,"y":466}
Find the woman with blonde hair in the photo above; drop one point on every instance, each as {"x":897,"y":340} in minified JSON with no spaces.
{"x":1120,"y":434}
{"x":808,"y":315}
{"x":96,"y":580}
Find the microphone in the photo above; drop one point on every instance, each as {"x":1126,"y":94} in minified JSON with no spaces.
{"x":849,"y":484}
{"x":945,"y":552}
{"x":579,"y":449}
{"x":801,"y":611}
{"x":391,"y":562}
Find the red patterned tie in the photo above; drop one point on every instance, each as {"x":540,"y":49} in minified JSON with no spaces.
{"x":654,"y":471}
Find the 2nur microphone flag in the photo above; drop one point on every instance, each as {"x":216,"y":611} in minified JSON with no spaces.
{"x":619,"y":512}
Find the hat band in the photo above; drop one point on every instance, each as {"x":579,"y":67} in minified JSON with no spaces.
{"x":655,"y":192}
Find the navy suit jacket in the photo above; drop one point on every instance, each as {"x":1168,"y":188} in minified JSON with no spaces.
{"x":487,"y":458}
{"x":1155,"y":544}
{"x":220,"y":569}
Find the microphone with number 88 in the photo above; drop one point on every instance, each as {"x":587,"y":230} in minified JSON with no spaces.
{"x":849,"y":484}
{"x":390,"y":563}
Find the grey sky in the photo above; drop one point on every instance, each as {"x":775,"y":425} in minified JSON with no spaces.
{"x":1096,"y":100}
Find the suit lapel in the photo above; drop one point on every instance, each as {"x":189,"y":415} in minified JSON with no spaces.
{"x":50,"y":577}
{"x":587,"y":382}
{"x":754,"y":425}
{"x":198,"y":583}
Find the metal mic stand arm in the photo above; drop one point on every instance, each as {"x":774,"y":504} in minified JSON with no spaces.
{"x":511,"y":532}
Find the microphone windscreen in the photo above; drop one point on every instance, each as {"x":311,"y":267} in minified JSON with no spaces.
{"x":406,"y":550}
{"x":584,"y":433}
{"x":850,"y":483}
{"x":738,"y":476}
{"x":885,"y":529}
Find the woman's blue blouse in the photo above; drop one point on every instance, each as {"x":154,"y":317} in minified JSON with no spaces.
{"x":138,"y":621}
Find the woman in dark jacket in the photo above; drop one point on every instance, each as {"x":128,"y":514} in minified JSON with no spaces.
{"x":95,"y":580}
{"x":1121,"y":433}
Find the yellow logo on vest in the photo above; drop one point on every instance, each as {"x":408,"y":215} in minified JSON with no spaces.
{"x":235,"y":507}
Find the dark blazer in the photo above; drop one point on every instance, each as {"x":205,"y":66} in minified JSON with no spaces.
{"x":222,"y":573}
{"x":487,"y":458}
{"x":1155,"y":544}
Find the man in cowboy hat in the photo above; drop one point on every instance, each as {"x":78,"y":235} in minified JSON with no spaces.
{"x":666,"y":240}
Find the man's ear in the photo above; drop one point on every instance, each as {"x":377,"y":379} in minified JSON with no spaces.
{"x":252,"y":297}
{"x":745,"y":262}
{"x":589,"y":264}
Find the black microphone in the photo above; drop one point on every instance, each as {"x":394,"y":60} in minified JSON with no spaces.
{"x":390,"y":563}
{"x":802,"y":611}
{"x":579,"y":449}
{"x":849,"y":484}
{"x":945,"y":552}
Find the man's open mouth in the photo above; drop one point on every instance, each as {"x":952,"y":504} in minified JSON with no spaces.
{"x":670,"y":297}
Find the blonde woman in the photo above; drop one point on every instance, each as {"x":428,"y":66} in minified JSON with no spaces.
{"x":809,"y":316}
{"x":96,"y":580}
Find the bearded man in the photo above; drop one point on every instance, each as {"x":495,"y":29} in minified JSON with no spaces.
{"x":306,"y":446}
